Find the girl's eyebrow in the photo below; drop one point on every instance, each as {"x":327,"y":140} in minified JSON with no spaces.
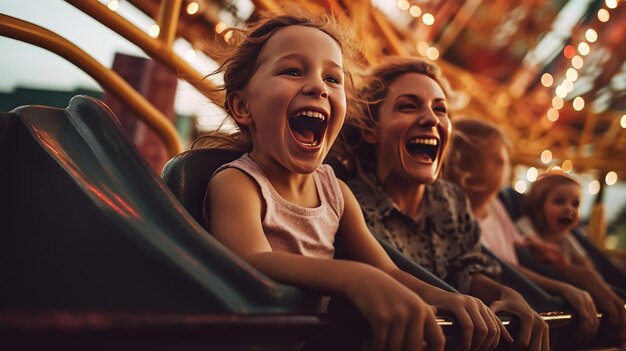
{"x":299,"y":56}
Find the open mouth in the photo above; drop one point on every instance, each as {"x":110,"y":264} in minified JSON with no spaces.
{"x":423,"y":149}
{"x":308,"y":127}
{"x":565,"y":220}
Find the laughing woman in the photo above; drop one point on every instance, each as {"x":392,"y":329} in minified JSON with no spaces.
{"x":403,"y":129}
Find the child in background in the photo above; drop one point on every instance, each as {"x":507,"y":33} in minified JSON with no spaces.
{"x":281,"y":210}
{"x":478,"y":161}
{"x":551,"y":212}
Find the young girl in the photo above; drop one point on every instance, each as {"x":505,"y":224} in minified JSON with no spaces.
{"x":551,"y":212}
{"x":281,"y":210}
{"x":477,"y":161}
{"x":402,"y":137}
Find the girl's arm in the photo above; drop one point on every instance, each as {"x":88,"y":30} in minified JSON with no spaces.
{"x":607,"y":301}
{"x":579,"y":299}
{"x":398,"y":317}
{"x":482,"y":330}
{"x":533,"y":332}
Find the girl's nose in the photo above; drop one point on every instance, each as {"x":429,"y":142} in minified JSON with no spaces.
{"x":315,"y":88}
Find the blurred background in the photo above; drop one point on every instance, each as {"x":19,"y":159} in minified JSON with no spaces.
{"x":551,"y":74}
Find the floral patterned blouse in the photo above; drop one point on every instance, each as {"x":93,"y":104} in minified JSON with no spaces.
{"x":444,"y":238}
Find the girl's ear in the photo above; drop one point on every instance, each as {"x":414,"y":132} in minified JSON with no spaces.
{"x":239,"y":108}
{"x":370,"y":136}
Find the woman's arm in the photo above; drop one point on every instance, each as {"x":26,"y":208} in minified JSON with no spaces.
{"x":398,"y":317}
{"x":482,"y":329}
{"x":533,"y":333}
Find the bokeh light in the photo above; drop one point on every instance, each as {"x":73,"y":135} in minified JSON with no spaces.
{"x":594,"y":187}
{"x":571,"y":74}
{"x":584,"y":48}
{"x":557,"y":102}
{"x":577,"y":62}
{"x":604,"y":15}
{"x":428,"y":19}
{"x":560,"y":91}
{"x":520,"y":186}
{"x":531,"y":174}
{"x":568,"y":85}
{"x":432,"y":53}
{"x":546,"y":156}
{"x":567,"y":166}
{"x":553,"y":114}
{"x":403,"y":5}
{"x":415,"y":11}
{"x":569,"y":51}
{"x":113,"y":5}
{"x":154,"y":30}
{"x":193,"y":8}
{"x":611,"y":178}
{"x":578,"y":103}
{"x":591,"y":35}
{"x":547,"y":80}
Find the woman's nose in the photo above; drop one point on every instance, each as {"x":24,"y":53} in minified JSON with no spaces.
{"x":428,"y":119}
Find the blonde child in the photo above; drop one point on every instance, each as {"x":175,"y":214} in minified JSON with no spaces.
{"x":478,"y":161}
{"x":402,"y":133}
{"x":551,"y":212}
{"x":281,"y":210}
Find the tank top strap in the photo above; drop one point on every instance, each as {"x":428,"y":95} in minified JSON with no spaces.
{"x":328,"y":189}
{"x":249,"y":167}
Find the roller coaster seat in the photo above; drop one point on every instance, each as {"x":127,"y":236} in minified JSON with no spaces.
{"x":95,"y":248}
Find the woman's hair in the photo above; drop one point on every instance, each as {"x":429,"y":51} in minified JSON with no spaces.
{"x":240,"y":53}
{"x":535,"y":200}
{"x":362,"y":116}
{"x":470,"y":142}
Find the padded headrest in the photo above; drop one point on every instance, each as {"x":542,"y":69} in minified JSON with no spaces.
{"x":188,"y":174}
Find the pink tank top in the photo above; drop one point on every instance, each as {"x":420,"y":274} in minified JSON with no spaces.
{"x":294,"y":229}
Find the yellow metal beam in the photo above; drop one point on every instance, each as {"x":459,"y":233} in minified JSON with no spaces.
{"x":153,"y":47}
{"x":27,"y":32}
{"x":266,"y":5}
{"x":168,"y":21}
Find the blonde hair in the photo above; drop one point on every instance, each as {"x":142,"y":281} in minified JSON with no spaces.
{"x":469,"y":140}
{"x":241,"y":52}
{"x":535,"y":200}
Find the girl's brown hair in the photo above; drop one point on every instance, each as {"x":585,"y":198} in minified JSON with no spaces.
{"x":240,"y":51}
{"x":535,"y":200}
{"x":469,"y":141}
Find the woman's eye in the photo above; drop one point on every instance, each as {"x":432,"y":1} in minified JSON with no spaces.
{"x":406,"y":106}
{"x":441,"y":109}
{"x":292,"y":72}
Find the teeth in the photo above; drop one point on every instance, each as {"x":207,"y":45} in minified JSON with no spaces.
{"x":312,"y":114}
{"x":423,"y":141}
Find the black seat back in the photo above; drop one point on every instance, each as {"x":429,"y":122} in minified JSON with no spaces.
{"x":187,"y":175}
